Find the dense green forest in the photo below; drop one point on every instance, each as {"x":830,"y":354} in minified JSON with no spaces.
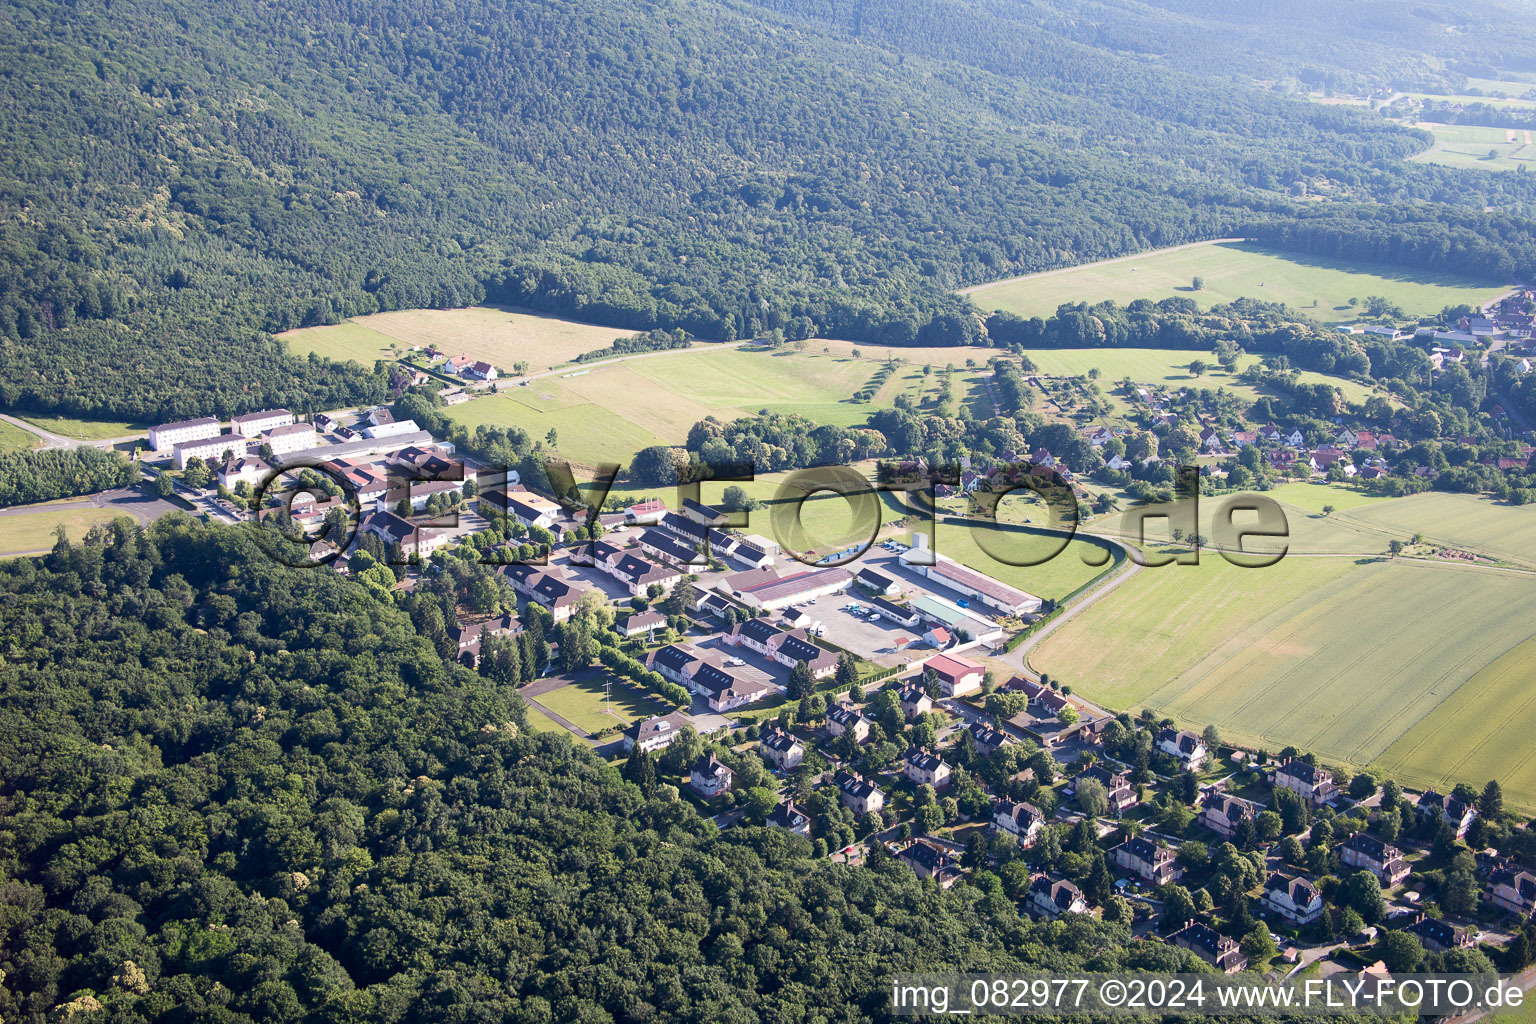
{"x":177,"y":181}
{"x":237,"y":792}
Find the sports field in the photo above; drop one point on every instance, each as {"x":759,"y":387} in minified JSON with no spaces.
{"x":1491,"y":149}
{"x":581,"y":703}
{"x":33,"y":530}
{"x":15,"y":439}
{"x":1316,"y":287}
{"x":1169,"y":366}
{"x":498,"y":336}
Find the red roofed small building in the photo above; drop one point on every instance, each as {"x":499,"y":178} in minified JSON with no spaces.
{"x":957,"y":676}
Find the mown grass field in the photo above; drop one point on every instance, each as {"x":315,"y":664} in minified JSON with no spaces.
{"x":1169,"y":366}
{"x":582,"y":703}
{"x":498,"y":336}
{"x":1464,"y":145}
{"x":15,"y":439}
{"x":33,"y":531}
{"x":538,"y":721}
{"x":1060,"y":569}
{"x":1316,"y":287}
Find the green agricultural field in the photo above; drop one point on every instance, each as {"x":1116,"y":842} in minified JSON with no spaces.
{"x":582,"y":704}
{"x":498,"y":336}
{"x":1313,"y":497}
{"x":584,"y":432}
{"x":1060,"y":571}
{"x":1169,"y":366}
{"x":1462,"y":521}
{"x":1331,"y":655}
{"x":33,"y":530}
{"x":15,"y":439}
{"x":85,"y":430}
{"x":1491,"y":149}
{"x":1483,"y":730}
{"x":1306,"y":530}
{"x":1316,"y":287}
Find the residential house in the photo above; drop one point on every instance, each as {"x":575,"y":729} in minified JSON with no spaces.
{"x":925,"y":768}
{"x":1450,"y":809}
{"x":1296,"y":438}
{"x":791,"y":818}
{"x":1367,"y":853}
{"x":1223,"y":813}
{"x":408,"y":539}
{"x":663,"y":545}
{"x":1308,"y":781}
{"x":481,"y":370}
{"x":639,"y":575}
{"x":914,"y":701}
{"x":1439,"y":936}
{"x":781,"y":749}
{"x":1152,"y":862}
{"x":843,"y":720}
{"x":858,"y":794}
{"x":674,"y":662}
{"x":1513,"y":889}
{"x":931,"y":860}
{"x":987,"y":737}
{"x":1211,"y":946}
{"x":957,"y":676}
{"x":469,"y":635}
{"x":545,"y":588}
{"x":653,"y":734}
{"x":249,"y":470}
{"x":723,"y":690}
{"x":1187,"y":746}
{"x":1054,"y":898}
{"x":1022,"y":821}
{"x":1116,"y":783}
{"x":709,"y":777}
{"x":787,"y":647}
{"x":1295,"y":899}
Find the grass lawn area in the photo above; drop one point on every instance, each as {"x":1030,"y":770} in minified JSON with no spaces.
{"x":498,"y":336}
{"x":1332,"y":655}
{"x":15,"y":439}
{"x":582,"y":702}
{"x":1308,"y":531}
{"x":538,"y":721}
{"x":583,"y":432}
{"x":1316,"y":287}
{"x":1466,"y":145}
{"x":33,"y":531}
{"x":85,"y":430}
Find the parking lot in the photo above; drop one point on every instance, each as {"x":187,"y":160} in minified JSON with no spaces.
{"x":872,"y":639}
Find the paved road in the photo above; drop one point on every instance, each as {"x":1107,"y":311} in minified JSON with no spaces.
{"x":1018,"y":657}
{"x":1099,"y":263}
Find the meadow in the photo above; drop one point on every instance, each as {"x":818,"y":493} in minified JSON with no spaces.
{"x":85,"y":430}
{"x":581,"y":703}
{"x":1463,"y":521}
{"x":1170,"y":366}
{"x":33,"y":530}
{"x":609,"y":412}
{"x":15,"y":439}
{"x":1491,"y":149}
{"x":1316,"y":287}
{"x":498,"y":336}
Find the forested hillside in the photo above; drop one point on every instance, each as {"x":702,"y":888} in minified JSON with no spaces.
{"x":177,"y":179}
{"x":237,"y":792}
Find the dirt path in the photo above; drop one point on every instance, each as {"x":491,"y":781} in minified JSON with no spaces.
{"x":1098,"y":263}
